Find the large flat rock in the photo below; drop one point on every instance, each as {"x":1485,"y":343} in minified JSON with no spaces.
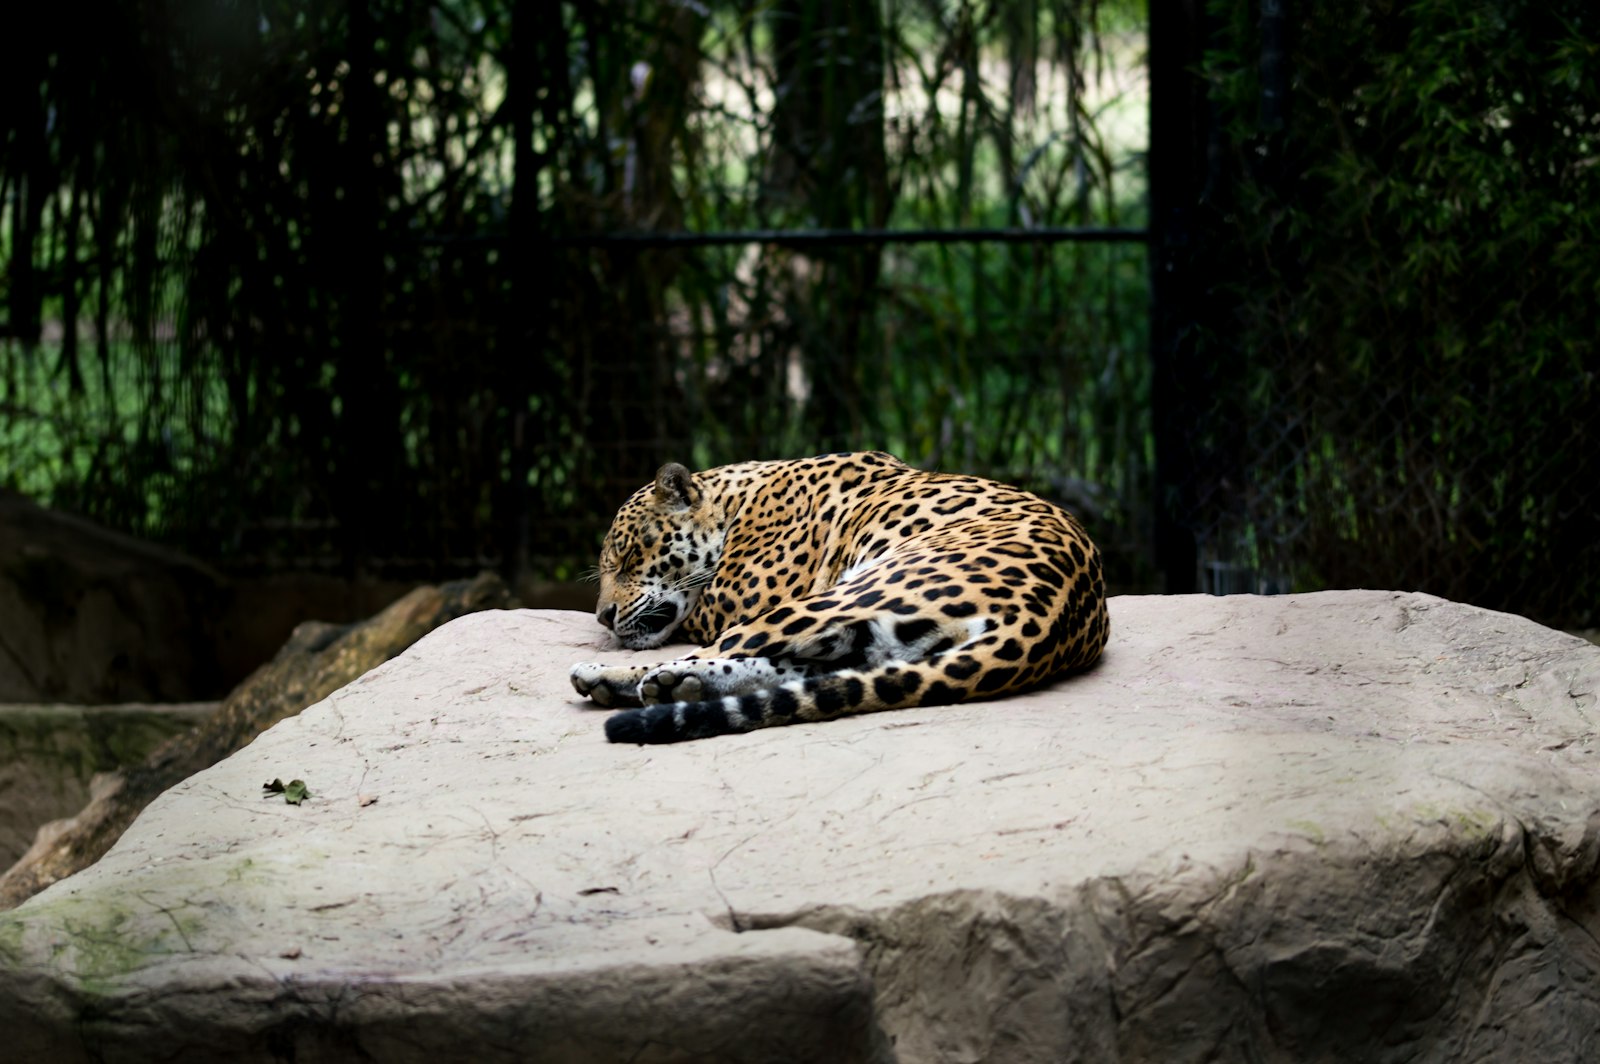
{"x":1351,"y":825}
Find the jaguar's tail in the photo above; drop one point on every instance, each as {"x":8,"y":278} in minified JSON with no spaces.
{"x":825,"y":697}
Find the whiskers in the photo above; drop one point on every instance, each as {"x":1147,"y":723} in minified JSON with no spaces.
{"x":691,"y":581}
{"x":687,"y":582}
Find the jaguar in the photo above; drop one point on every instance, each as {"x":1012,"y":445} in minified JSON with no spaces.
{"x":842,"y":584}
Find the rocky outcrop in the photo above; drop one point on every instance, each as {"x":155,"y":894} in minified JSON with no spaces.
{"x":318,"y":660}
{"x":91,"y":616}
{"x":1343,"y":826}
{"x":48,"y":755}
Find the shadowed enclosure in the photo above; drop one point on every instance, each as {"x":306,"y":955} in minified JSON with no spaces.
{"x":403,"y":290}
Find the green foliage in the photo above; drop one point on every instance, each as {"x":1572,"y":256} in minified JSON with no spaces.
{"x":216,"y":328}
{"x":1014,"y":360}
{"x":287,"y":283}
{"x":294,"y":792}
{"x":1411,"y":361}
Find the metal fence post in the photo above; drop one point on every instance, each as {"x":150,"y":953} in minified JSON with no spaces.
{"x":1177,"y":174}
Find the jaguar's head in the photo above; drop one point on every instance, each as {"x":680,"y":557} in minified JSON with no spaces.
{"x":663,"y":548}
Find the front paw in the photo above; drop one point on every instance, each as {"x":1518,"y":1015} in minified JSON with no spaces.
{"x":671,"y":683}
{"x":602,"y":685}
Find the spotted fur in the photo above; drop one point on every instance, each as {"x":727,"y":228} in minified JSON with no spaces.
{"x":829,"y":586}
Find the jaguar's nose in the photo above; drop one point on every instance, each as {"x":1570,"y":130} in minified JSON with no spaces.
{"x":608,"y":616}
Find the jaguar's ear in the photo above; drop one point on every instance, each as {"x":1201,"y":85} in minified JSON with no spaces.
{"x":675,"y":487}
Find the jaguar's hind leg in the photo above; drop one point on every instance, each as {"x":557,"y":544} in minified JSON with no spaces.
{"x":694,"y":679}
{"x":846,"y":640}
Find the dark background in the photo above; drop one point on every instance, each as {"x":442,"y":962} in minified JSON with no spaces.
{"x":400,"y":291}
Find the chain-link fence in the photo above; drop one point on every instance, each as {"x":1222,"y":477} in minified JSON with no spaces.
{"x":1022,"y":360}
{"x":1394,"y":376}
{"x":1478,"y":486}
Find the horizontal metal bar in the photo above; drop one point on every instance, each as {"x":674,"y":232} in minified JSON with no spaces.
{"x":838,"y":237}
{"x":808,"y":237}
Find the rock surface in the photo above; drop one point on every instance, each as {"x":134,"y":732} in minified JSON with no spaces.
{"x":1343,"y":826}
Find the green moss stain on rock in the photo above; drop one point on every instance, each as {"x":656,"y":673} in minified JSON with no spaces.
{"x":10,"y":940}
{"x":98,"y":942}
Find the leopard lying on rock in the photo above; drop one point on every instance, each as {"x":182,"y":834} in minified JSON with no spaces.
{"x":829,"y":586}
